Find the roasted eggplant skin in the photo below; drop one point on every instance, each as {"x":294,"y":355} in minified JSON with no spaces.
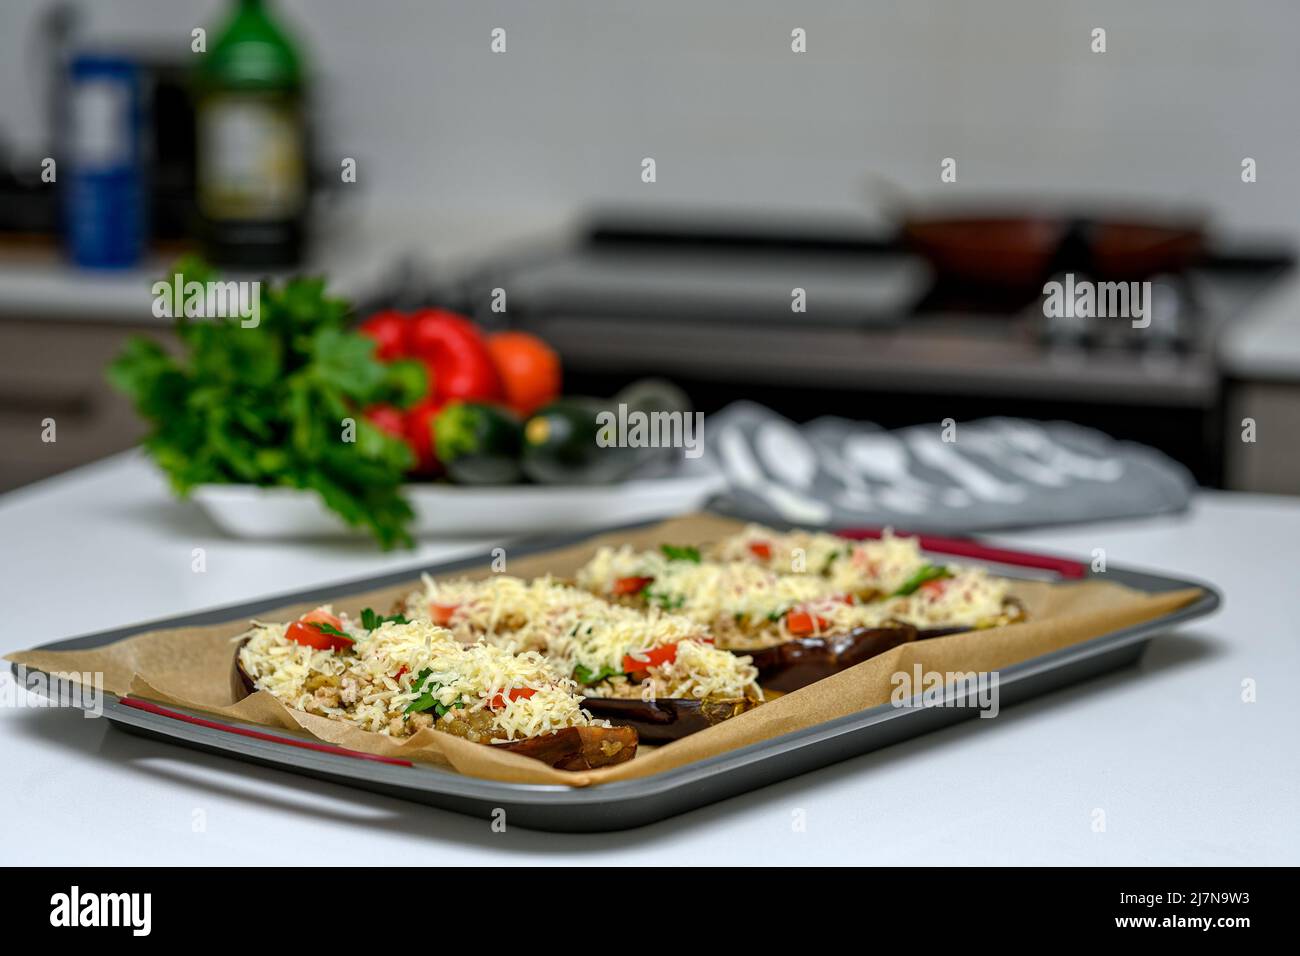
{"x":802,"y":661}
{"x":242,"y":676}
{"x":665,"y":720}
{"x":577,"y":748}
{"x":573,"y":748}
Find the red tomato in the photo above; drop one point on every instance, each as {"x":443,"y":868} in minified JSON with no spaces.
{"x":304,"y":631}
{"x":441,"y":614}
{"x":321,"y":616}
{"x":529,"y":370}
{"x":761,"y":550}
{"x":936,"y":587}
{"x":391,"y":333}
{"x":419,"y":434}
{"x":456,"y":355}
{"x":663,"y":654}
{"x":518,"y":693}
{"x":801,"y":623}
{"x":631,"y":585}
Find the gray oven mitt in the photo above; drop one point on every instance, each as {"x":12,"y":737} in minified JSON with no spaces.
{"x":997,"y":473}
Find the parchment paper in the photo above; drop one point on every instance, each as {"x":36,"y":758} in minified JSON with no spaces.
{"x":194,"y":667}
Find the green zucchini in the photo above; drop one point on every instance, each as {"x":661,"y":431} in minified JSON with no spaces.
{"x":478,"y":444}
{"x":561,"y":446}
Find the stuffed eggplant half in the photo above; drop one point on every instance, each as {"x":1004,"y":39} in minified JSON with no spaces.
{"x":394,"y":677}
{"x":801,"y":626}
{"x":867,"y":570}
{"x":659,"y":673}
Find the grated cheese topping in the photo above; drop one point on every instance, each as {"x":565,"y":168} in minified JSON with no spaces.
{"x":745,"y":601}
{"x":486,"y":691}
{"x":711,"y":592}
{"x":971,"y":598}
{"x":867,"y":569}
{"x":592,"y":638}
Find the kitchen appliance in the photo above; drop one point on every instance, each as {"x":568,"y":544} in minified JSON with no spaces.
{"x":959,"y":349}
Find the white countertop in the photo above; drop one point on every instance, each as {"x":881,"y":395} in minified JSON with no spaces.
{"x":1183,"y":769}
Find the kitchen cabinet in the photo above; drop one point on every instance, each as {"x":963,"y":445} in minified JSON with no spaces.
{"x":1271,"y":463}
{"x":55,"y":370}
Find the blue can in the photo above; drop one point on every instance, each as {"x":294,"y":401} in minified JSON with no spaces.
{"x":104,"y":202}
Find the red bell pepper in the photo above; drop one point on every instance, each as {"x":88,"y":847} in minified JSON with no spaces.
{"x":456,"y":355}
{"x":391,"y":333}
{"x":388,"y":418}
{"x":418,"y":428}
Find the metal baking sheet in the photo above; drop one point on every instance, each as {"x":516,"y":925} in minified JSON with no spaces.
{"x":630,"y":803}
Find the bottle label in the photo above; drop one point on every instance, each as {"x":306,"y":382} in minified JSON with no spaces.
{"x":250,"y":158}
{"x":101,"y":125}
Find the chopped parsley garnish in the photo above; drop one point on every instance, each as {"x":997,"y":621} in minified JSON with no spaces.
{"x":663,"y":600}
{"x":427,"y":700}
{"x":331,"y":630}
{"x":681,"y":553}
{"x":586,"y":676}
{"x":929,"y":572}
{"x":370,"y":620}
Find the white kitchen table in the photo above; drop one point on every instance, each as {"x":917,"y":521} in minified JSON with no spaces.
{"x":1183,"y":769}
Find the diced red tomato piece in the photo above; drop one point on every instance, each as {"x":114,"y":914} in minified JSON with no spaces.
{"x":761,"y":550}
{"x":516,"y":693}
{"x":663,"y":654}
{"x":802,"y":623}
{"x":304,"y":631}
{"x":442,"y":613}
{"x":321,"y":616}
{"x":624,"y":586}
{"x":936,"y":587}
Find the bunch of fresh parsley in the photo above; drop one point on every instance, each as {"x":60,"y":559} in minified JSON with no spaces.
{"x":278,"y":404}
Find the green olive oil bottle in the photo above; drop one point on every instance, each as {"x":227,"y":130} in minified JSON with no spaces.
{"x":252,"y":166}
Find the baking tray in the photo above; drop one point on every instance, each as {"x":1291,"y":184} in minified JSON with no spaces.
{"x":632,"y":803}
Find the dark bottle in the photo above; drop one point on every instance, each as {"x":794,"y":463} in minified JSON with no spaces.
{"x":253,"y":188}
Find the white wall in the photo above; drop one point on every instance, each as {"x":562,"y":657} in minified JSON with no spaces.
{"x":712,"y":91}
